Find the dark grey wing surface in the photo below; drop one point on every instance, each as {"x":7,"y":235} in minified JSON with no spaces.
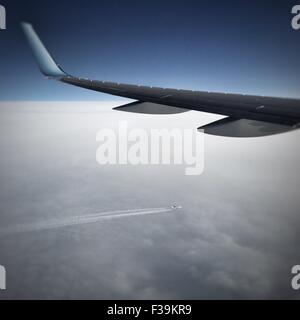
{"x":268,"y":109}
{"x":279,"y":111}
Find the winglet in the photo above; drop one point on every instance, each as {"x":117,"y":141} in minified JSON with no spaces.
{"x":44,"y":60}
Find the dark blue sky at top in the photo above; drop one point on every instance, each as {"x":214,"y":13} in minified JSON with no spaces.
{"x":228,"y":46}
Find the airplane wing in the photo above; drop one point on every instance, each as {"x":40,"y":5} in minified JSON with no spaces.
{"x":246,"y":115}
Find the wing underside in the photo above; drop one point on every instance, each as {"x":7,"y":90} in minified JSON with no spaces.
{"x":247,"y":114}
{"x":149,"y":108}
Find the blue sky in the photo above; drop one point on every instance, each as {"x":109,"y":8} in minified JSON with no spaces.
{"x":227,"y":46}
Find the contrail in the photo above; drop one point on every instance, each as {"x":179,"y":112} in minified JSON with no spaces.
{"x":83,"y":219}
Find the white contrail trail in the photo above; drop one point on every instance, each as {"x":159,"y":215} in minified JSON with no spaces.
{"x":83,"y":219}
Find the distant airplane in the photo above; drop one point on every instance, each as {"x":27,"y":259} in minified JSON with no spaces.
{"x":246,"y":115}
{"x":175,"y":207}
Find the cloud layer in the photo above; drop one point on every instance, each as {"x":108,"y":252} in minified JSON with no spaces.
{"x":236,"y":237}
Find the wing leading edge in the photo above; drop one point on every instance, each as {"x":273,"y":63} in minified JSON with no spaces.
{"x":283,"y":112}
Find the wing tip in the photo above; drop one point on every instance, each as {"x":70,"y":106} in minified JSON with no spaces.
{"x":44,"y":60}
